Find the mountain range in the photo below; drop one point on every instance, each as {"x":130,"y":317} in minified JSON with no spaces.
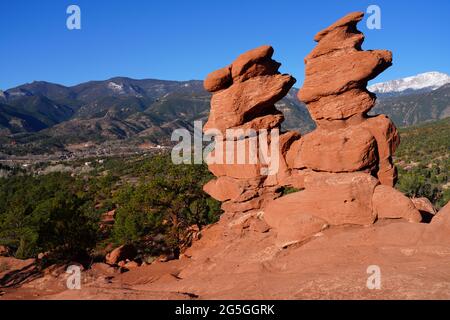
{"x":51,"y":116}
{"x":423,"y":82}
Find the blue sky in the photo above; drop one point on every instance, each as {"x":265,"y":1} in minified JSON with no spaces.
{"x":183,"y":40}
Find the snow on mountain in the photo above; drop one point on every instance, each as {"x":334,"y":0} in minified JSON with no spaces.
{"x":428,"y":81}
{"x":123,"y":89}
{"x":118,"y":88}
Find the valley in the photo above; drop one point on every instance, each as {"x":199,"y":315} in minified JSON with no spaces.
{"x":44,"y":120}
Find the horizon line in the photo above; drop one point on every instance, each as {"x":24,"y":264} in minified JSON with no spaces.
{"x":171,"y":80}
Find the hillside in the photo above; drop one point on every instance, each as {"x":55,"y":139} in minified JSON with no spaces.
{"x":416,"y":108}
{"x":423,"y":161}
{"x":42,"y":117}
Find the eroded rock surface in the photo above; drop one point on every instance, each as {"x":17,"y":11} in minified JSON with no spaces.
{"x":344,"y":166}
{"x":243,"y":103}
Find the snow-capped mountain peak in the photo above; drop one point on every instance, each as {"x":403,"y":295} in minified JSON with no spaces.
{"x":428,"y":81}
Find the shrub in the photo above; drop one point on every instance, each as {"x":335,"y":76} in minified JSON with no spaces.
{"x":167,"y":203}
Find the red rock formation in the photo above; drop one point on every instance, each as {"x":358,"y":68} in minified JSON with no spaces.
{"x":390,"y":203}
{"x":244,"y":97}
{"x":344,"y":166}
{"x":342,"y":163}
{"x":424,"y":205}
{"x":336,"y":76}
{"x":337,"y":71}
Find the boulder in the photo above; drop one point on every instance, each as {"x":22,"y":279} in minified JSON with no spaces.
{"x":4,"y":251}
{"x":244,"y":159}
{"x":337,"y":71}
{"x":121,"y":253}
{"x":336,"y":198}
{"x":218,"y":80}
{"x":442,"y":218}
{"x":340,"y":106}
{"x":131,"y":265}
{"x":339,"y":36}
{"x":392,"y":204}
{"x":253,"y":63}
{"x":265,"y":195}
{"x":424,"y":205}
{"x":346,"y":150}
{"x":354,"y":70}
{"x":224,"y":188}
{"x":387,"y":140}
{"x":243,"y":102}
{"x":292,"y":226}
{"x":437,"y":232}
{"x":103,"y":268}
{"x":238,"y":159}
{"x":281,"y":176}
{"x":268,"y":122}
{"x":295,"y":179}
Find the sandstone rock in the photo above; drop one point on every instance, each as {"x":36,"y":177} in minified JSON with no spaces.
{"x":341,"y":35}
{"x":292,"y":153}
{"x":295,"y":179}
{"x":344,"y":198}
{"x":387,"y":139}
{"x":256,"y":224}
{"x":391,"y":203}
{"x":224,"y":188}
{"x":247,"y":195}
{"x":231,"y":206}
{"x":333,"y":124}
{"x":4,"y":251}
{"x":243,"y":102}
{"x":263,"y":122}
{"x":263,"y":196}
{"x":387,"y":174}
{"x":354,"y":70}
{"x":337,"y":71}
{"x":103,"y":268}
{"x":238,"y":171}
{"x":348,"y":196}
{"x":123,"y":252}
{"x":345,"y":150}
{"x":437,"y":232}
{"x":108,"y":219}
{"x":287,"y":139}
{"x":243,"y":159}
{"x":340,"y":106}
{"x":218,"y":80}
{"x":248,"y":174}
{"x":282,"y":175}
{"x":334,"y":164}
{"x":253,"y":63}
{"x":385,"y":133}
{"x":131,"y":265}
{"x":292,"y":226}
{"x":237,"y":159}
{"x":424,"y":205}
{"x":443,"y":216}
{"x":347,"y":24}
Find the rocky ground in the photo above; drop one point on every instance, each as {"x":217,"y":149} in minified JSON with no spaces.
{"x":241,"y":261}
